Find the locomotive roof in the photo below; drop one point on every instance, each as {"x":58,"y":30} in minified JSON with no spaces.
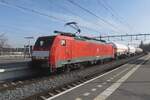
{"x":78,"y":37}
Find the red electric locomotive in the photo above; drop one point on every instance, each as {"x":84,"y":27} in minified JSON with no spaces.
{"x":65,"y":50}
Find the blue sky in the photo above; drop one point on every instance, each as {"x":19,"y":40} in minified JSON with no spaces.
{"x":131,"y":16}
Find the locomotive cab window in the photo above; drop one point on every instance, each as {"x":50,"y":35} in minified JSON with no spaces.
{"x":63,"y":42}
{"x":44,"y":42}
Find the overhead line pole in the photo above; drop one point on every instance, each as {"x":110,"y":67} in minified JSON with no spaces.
{"x":127,"y":35}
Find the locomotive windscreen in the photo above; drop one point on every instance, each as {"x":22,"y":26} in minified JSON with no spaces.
{"x":44,"y":42}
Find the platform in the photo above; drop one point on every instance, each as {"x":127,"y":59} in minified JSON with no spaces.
{"x":128,"y":82}
{"x":13,"y":59}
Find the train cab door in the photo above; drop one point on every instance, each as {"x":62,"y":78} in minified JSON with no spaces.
{"x":68,"y":49}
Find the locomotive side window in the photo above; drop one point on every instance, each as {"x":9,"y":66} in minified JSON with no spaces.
{"x":63,"y":42}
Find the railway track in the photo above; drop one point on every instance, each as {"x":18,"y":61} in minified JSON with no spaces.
{"x":41,"y":88}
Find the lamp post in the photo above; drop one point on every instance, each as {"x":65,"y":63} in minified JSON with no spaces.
{"x":29,"y":44}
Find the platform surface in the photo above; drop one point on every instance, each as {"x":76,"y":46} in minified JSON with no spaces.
{"x":128,"y":82}
{"x":13,"y":59}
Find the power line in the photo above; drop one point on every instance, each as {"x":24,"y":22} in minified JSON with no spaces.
{"x":68,"y":10}
{"x":33,"y":11}
{"x":110,"y":11}
{"x":88,"y":11}
{"x":120,"y":18}
{"x":40,"y":13}
{"x":109,"y":7}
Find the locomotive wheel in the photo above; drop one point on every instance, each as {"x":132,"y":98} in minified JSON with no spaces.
{"x":81,"y":66}
{"x":67,"y":69}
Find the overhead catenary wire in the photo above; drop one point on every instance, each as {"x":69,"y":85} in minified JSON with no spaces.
{"x":47,"y":15}
{"x":36,"y":12}
{"x":33,"y":11}
{"x":110,"y":11}
{"x":115,"y":14}
{"x":105,"y":3}
{"x":41,"y":13}
{"x":93,"y":14}
{"x":76,"y":15}
{"x":89,"y":21}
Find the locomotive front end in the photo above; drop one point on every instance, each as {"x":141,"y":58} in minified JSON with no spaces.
{"x":41,"y":51}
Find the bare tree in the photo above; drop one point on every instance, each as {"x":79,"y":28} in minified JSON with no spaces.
{"x":3,"y":42}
